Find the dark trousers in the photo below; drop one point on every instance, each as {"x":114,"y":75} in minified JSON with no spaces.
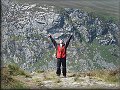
{"x":59,"y":62}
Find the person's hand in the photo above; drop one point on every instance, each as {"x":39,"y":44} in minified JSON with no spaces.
{"x":71,"y":34}
{"x":49,"y":35}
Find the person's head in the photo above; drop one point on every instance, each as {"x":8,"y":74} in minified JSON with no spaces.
{"x":61,"y":41}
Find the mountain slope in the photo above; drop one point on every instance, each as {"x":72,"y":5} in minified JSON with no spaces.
{"x":24,"y":37}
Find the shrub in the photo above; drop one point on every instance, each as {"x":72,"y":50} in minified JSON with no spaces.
{"x":112,"y":76}
{"x":16,"y":70}
{"x":7,"y":82}
{"x":39,"y":71}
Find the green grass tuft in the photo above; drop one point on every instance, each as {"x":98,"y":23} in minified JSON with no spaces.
{"x":111,"y":76}
{"x":8,"y":82}
{"x":16,"y":70}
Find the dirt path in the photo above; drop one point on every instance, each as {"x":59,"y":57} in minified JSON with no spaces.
{"x":50,"y":80}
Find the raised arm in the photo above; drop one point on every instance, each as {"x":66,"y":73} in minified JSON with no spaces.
{"x":67,"y":43}
{"x":53,"y":41}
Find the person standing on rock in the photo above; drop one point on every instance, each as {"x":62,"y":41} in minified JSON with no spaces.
{"x":61,"y":49}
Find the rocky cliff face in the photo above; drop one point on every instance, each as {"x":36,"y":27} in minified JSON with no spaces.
{"x":24,"y":37}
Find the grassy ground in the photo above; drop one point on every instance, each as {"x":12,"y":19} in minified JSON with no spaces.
{"x":7,"y":80}
{"x":111,"y":76}
{"x":46,"y":79}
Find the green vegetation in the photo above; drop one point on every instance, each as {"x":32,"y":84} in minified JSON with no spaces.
{"x":45,"y":59}
{"x":104,"y":16}
{"x":104,"y":52}
{"x":17,"y":38}
{"x":7,"y":81}
{"x":110,"y":76}
{"x":39,"y":71}
{"x":104,"y":9}
{"x":12,"y":84}
{"x":15,"y":70}
{"x":107,"y":53}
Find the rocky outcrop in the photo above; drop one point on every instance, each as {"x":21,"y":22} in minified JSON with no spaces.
{"x":24,"y":36}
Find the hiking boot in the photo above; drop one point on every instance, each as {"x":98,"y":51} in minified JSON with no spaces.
{"x":64,"y":76}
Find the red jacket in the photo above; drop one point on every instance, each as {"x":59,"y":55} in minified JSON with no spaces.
{"x":61,"y":51}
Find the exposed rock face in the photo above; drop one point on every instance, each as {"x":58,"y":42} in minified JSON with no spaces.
{"x":24,"y":37}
